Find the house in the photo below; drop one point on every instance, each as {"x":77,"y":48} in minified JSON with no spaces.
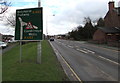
{"x":111,"y":31}
{"x":107,"y":34}
{"x":6,"y":38}
{"x":112,"y":18}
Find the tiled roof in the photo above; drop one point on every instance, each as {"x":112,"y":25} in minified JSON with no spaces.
{"x":110,"y":29}
{"x":117,"y":10}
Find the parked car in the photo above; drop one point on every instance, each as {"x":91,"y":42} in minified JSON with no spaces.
{"x":3,"y":44}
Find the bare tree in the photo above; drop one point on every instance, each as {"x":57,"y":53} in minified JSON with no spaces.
{"x":87,"y":20}
{"x":4,"y":4}
{"x":10,"y":20}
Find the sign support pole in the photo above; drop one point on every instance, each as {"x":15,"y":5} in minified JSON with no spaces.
{"x":28,"y":30}
{"x":20,"y":51}
{"x":39,"y":43}
{"x":39,"y":52}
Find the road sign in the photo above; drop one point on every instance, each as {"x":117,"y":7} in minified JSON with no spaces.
{"x":29,"y":24}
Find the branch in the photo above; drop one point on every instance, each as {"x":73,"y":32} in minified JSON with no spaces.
{"x":10,"y":20}
{"x":4,"y":6}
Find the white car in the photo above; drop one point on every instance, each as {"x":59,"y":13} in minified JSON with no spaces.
{"x":3,"y":44}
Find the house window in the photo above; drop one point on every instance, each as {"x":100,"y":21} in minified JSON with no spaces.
{"x":109,"y":37}
{"x":118,"y":37}
{"x":109,"y":34}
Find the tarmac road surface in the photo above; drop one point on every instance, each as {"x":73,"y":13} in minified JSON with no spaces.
{"x":90,"y":62}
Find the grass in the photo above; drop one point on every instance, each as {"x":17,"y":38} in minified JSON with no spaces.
{"x":29,"y":70}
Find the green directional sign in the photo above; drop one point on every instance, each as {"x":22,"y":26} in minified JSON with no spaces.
{"x":29,"y":24}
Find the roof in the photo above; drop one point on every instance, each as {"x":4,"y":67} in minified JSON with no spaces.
{"x":110,"y":29}
{"x":117,"y":9}
{"x":8,"y":36}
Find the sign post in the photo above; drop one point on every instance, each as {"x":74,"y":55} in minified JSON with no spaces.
{"x":39,"y":50}
{"x":29,"y":26}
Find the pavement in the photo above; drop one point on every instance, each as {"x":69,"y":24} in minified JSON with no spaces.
{"x":87,"y":62}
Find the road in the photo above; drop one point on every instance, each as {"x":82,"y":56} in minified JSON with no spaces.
{"x":89,"y":62}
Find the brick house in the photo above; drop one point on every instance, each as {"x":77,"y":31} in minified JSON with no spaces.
{"x":112,"y":18}
{"x":105,"y":34}
{"x":111,"y":31}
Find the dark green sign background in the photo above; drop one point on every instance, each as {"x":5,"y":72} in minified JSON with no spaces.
{"x":29,"y":24}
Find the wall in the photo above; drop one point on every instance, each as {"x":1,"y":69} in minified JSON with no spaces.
{"x":99,"y":36}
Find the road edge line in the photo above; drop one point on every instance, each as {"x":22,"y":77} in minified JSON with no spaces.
{"x":67,"y":64}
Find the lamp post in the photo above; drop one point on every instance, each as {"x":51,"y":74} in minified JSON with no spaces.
{"x":47,"y":24}
{"x":39,"y":3}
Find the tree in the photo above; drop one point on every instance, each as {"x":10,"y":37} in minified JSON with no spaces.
{"x":88,"y":30}
{"x":4,"y":4}
{"x":87,"y":20}
{"x":100,"y":22}
{"x":83,"y":33}
{"x":10,"y":20}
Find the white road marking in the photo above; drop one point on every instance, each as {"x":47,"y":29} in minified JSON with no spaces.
{"x":76,"y":46}
{"x":67,"y":64}
{"x":59,"y":42}
{"x":82,"y":51}
{"x":89,"y":51}
{"x":70,"y":46}
{"x":101,"y":47}
{"x":109,"y":60}
{"x":98,"y":56}
{"x":71,"y":69}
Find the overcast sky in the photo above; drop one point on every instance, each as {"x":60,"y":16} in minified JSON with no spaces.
{"x":68,"y":13}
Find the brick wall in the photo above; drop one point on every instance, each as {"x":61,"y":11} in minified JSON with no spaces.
{"x":112,"y":19}
{"x":99,"y":36}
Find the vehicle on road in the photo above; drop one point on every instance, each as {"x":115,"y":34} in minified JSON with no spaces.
{"x":3,"y":44}
{"x":51,"y":39}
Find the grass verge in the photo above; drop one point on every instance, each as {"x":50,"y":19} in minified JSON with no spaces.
{"x":49,"y":70}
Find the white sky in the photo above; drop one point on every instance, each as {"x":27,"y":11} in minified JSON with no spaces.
{"x":68,"y":13}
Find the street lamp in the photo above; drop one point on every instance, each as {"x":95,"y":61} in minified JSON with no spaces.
{"x":39,"y":3}
{"x":47,"y":24}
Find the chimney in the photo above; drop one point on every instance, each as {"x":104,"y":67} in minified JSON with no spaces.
{"x":119,"y":4}
{"x":111,"y":5}
{"x":119,"y":8}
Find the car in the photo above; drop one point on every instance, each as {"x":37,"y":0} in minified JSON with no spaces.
{"x":51,"y":39}
{"x":3,"y":44}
